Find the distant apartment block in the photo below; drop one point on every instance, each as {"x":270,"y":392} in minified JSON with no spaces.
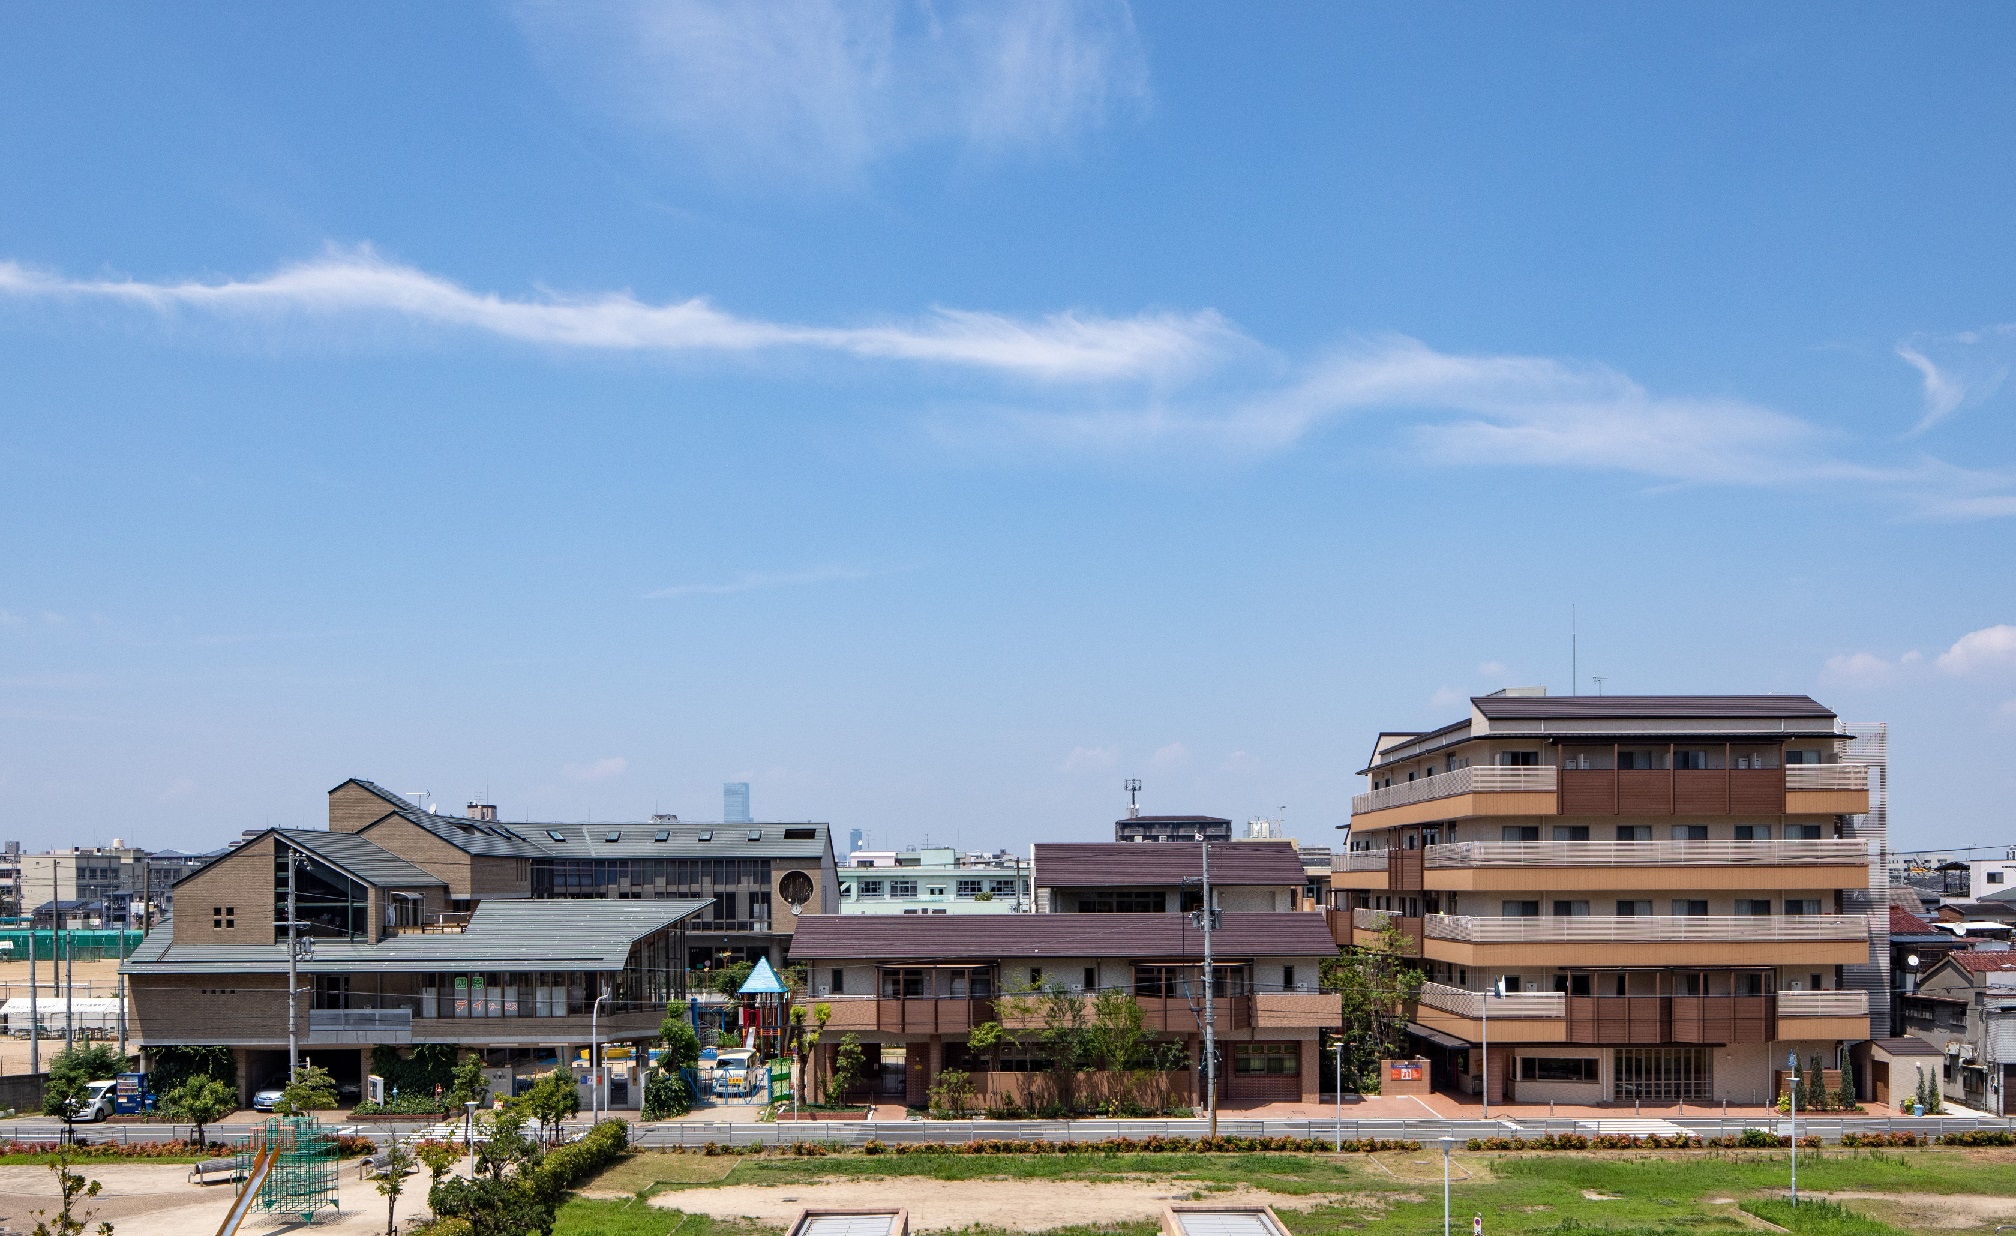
{"x":1666,"y":890}
{"x":933,"y":880}
{"x":1126,"y":878}
{"x":1172,"y":828}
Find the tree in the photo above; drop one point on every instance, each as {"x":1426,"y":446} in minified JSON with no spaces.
{"x":821,"y":1014}
{"x":468,"y":1084}
{"x":200,"y":1100}
{"x":1374,"y":985}
{"x":1116,"y":1043}
{"x":728,"y":979}
{"x":505,"y":1145}
{"x":680,"y":1041}
{"x":491,"y":1207}
{"x":67,"y":1221}
{"x":392,"y":1182}
{"x":550,"y":1100}
{"x":847,"y":1064}
{"x":952,"y":1092}
{"x":171,"y":1066}
{"x":1063,"y":1029}
{"x":311,"y":1090}
{"x":63,"y":1095}
{"x":665,"y":1096}
{"x":438,"y":1157}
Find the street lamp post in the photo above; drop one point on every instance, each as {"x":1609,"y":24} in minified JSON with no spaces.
{"x":1496,"y":989}
{"x":1792,"y":1067}
{"x":1338,"y":1077}
{"x":595,"y":1060}
{"x":1448,"y":1143}
{"x":1210,"y":996}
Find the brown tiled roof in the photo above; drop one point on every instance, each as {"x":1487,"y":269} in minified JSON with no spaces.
{"x":1133,"y":864}
{"x":1905,"y":923}
{"x":987,"y":937}
{"x":1550,"y":706}
{"x":1977,"y":962}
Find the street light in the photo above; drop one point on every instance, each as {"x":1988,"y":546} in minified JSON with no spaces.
{"x":1792,"y":1067}
{"x":595,"y":1061}
{"x":1448,"y":1144}
{"x":469,"y":1133}
{"x":1497,"y":989}
{"x":1338,"y":1045}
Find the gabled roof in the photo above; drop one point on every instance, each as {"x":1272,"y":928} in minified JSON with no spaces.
{"x":1905,"y":923}
{"x":590,"y":934}
{"x":1131,"y":864}
{"x":989,"y":937}
{"x":357,"y":856}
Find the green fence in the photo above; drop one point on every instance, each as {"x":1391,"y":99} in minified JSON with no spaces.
{"x":77,"y":945}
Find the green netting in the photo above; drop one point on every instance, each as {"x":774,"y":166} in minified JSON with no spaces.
{"x":303,"y":1179}
{"x":77,"y":945}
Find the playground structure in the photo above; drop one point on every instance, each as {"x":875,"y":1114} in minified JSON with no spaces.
{"x":298,"y":1176}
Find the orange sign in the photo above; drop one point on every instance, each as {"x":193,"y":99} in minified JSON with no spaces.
{"x":1405,"y":1071}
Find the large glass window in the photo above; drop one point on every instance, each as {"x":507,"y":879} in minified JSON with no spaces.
{"x":328,"y":904}
{"x":1121,"y":901}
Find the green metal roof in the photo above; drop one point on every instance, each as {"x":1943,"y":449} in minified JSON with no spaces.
{"x":502,"y":935}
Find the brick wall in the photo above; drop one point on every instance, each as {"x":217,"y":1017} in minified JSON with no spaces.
{"x":426,"y":851}
{"x":352,"y":808}
{"x":241,"y":881}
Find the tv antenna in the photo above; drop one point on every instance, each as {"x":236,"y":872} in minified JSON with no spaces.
{"x":1133,"y":787}
{"x":1599,"y":680}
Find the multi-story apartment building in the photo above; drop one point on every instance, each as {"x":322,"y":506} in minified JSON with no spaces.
{"x":1664,"y":888}
{"x":102,"y":874}
{"x":10,"y":879}
{"x":383,"y":963}
{"x":934,"y":880}
{"x":1172,"y":828}
{"x":755,"y":877}
{"x":1120,"y":877}
{"x":914,"y":988}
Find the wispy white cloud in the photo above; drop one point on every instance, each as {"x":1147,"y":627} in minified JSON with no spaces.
{"x":757,"y":581}
{"x":595,"y":770}
{"x":1065,"y":346}
{"x":1090,"y":759}
{"x":1170,"y":756}
{"x":1986,"y":651}
{"x":1958,"y":370}
{"x":822,"y":89}
{"x":1866,"y":669}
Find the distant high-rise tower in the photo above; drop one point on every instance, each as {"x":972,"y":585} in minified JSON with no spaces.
{"x":854,"y":840}
{"x":735,"y":803}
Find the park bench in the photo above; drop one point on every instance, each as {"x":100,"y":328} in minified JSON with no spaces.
{"x":216,"y":1171}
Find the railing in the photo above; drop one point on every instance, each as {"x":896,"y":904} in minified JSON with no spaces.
{"x":320,"y":1020}
{"x":1512,"y":1004}
{"x":1478,"y":779}
{"x":440,"y":924}
{"x":1646,"y":853}
{"x":1371,"y":920}
{"x":1646,"y":929}
{"x":1827,"y":776}
{"x":1823,"y":1003}
{"x":1359,"y":860}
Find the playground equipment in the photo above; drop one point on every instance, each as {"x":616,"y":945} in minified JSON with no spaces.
{"x":300,"y":1175}
{"x":248,"y":1192}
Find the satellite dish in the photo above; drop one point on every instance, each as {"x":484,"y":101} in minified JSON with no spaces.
{"x":795,"y":888}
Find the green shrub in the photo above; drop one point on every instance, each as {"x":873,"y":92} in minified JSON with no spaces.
{"x":666,"y":1096}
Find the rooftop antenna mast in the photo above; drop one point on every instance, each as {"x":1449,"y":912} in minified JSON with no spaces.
{"x":1133,"y":788}
{"x":1599,"y":680}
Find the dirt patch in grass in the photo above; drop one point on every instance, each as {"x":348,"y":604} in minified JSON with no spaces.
{"x":1013,"y":1205}
{"x":643,"y":1172}
{"x":1929,"y":1212}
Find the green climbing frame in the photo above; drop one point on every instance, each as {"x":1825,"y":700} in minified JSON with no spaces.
{"x":303,"y":1179}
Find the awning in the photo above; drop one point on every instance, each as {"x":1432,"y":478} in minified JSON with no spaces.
{"x":1436,"y":1037}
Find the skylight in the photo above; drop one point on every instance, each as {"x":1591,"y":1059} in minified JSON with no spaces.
{"x":706,"y":834}
{"x":556,"y":834}
{"x":755,"y":834}
{"x":614,"y":834}
{"x":663,"y":834}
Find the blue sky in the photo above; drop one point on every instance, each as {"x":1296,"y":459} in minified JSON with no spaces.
{"x":934,"y":415}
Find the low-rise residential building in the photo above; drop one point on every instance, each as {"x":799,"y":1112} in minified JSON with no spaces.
{"x":1126,"y":877}
{"x":916,"y":988}
{"x":384,"y":963}
{"x":1965,"y":1007}
{"x":1653,"y":897}
{"x":1134,"y":827}
{"x":933,"y":880}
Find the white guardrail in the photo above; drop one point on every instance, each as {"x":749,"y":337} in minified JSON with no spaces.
{"x":1512,"y":1004}
{"x":1826,"y":776}
{"x":1832,"y":851}
{"x":1480,"y":779}
{"x":1823,"y":1004}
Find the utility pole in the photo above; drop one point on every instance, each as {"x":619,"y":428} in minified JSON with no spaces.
{"x":1210,"y":995}
{"x":293,"y":970}
{"x":34,"y":1008}
{"x":68,"y":973}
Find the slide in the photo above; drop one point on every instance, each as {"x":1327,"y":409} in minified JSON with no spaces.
{"x":261,"y":1165}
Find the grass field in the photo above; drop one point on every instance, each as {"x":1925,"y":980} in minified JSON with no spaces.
{"x":1400,"y":1194}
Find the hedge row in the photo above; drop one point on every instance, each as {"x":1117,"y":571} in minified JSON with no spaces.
{"x":84,"y":1151}
{"x":1979,"y":1137}
{"x":1143,"y":1145}
{"x":1750,"y":1139}
{"x":569,"y":1165}
{"x":1884,"y":1139}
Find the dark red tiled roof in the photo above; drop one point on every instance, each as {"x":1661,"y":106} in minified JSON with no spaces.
{"x":1977,"y":962}
{"x":1125,"y":864}
{"x":1905,"y":923}
{"x":987,"y":937}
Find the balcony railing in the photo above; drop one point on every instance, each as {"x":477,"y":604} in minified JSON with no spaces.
{"x":1479,"y":779}
{"x":1645,"y":853}
{"x":1827,"y":776}
{"x":1370,"y":920}
{"x":432,"y":925}
{"x":364,"y":1027}
{"x":1646,"y":929}
{"x":1823,"y":1003}
{"x":1359,"y":860}
{"x":1512,"y":1004}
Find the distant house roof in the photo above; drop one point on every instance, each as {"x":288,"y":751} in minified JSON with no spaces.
{"x":1903,"y":923}
{"x":986,"y":937}
{"x":1906,"y":1046}
{"x":1127,"y":864}
{"x":502,"y":935}
{"x":1974,"y":961}
{"x":358,"y":856}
